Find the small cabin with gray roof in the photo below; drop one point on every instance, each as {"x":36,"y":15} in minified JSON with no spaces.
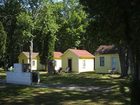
{"x":107,"y":59}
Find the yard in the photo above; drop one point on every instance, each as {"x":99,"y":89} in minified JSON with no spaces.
{"x":68,"y":89}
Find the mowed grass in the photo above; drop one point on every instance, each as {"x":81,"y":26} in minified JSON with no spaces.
{"x":2,"y":74}
{"x":116,"y":91}
{"x":82,"y":79}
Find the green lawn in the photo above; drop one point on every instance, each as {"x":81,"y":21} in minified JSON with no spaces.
{"x":116,"y":91}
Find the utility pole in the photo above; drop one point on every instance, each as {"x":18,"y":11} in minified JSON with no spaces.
{"x":30,"y":54}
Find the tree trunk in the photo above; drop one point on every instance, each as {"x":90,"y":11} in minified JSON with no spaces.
{"x":46,"y":66}
{"x":50,"y":67}
{"x":135,"y":84}
{"x":123,"y":62}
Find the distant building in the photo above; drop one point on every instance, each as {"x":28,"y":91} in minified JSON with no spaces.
{"x":58,"y":60}
{"x":106,"y":59}
{"x":75,"y":60}
{"x":24,"y":58}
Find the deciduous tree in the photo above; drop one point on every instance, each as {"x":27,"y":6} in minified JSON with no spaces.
{"x":119,"y":21}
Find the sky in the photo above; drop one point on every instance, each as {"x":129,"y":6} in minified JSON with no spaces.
{"x":58,"y":0}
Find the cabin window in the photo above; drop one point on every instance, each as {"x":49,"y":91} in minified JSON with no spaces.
{"x":33,"y":62}
{"x":84,"y":64}
{"x":102,"y":61}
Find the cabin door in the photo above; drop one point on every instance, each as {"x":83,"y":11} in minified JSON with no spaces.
{"x":70,"y":64}
{"x":114,"y":63}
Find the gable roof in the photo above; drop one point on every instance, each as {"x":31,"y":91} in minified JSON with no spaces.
{"x":57,"y":55}
{"x":106,"y":49}
{"x":81,"y":53}
{"x":34,"y":54}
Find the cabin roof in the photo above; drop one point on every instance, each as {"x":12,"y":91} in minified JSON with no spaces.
{"x":81,"y":53}
{"x":57,"y":55}
{"x":34,"y":54}
{"x":106,"y":49}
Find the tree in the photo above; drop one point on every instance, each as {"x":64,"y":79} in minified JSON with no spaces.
{"x":72,"y":25}
{"x":48,"y":28}
{"x":3,"y":38}
{"x":50,"y":23}
{"x":38,"y":21}
{"x":119,"y":21}
{"x":106,"y":24}
{"x":25,"y":29}
{"x":27,"y":21}
{"x":9,"y":11}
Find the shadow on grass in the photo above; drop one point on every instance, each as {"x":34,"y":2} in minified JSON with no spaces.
{"x":74,"y":97}
{"x":84,"y":79}
{"x":2,"y":74}
{"x":14,"y":95}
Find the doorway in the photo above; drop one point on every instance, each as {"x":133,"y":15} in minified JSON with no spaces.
{"x":114,"y":63}
{"x":70,"y":65}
